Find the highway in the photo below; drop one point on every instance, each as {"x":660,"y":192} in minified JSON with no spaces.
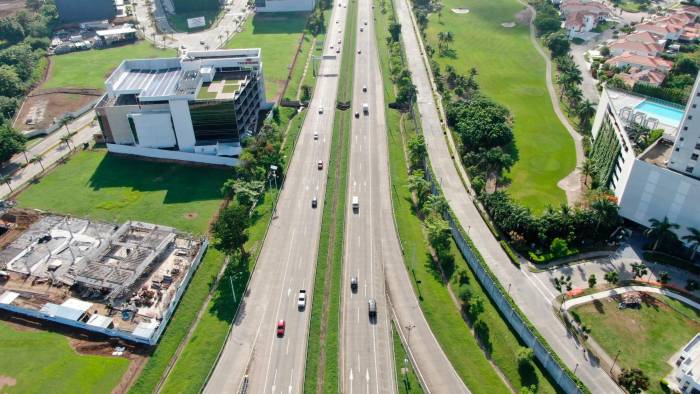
{"x":287,"y":262}
{"x":370,"y":239}
{"x":532,"y":296}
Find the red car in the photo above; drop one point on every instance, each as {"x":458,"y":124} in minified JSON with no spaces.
{"x":280,"y":328}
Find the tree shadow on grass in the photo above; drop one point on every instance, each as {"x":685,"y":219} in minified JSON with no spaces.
{"x":223,"y":305}
{"x":482,"y":332}
{"x":528,"y":376}
{"x":599,"y":307}
{"x":182,"y":182}
{"x":279,"y":22}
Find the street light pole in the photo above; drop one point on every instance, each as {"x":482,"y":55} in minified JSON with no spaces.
{"x":615,"y":360}
{"x":410,"y":327}
{"x":233,"y":291}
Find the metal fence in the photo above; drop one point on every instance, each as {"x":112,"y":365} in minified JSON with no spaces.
{"x":556,"y":370}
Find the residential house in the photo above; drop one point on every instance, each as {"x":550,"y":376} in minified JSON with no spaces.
{"x":649,"y":77}
{"x":640,"y":62}
{"x":581,"y":17}
{"x":623,"y":45}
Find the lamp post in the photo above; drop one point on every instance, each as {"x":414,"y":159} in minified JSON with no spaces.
{"x":273,"y":169}
{"x":410,"y":327}
{"x":615,"y":360}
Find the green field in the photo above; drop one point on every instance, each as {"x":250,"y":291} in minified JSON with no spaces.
{"x":44,"y":362}
{"x":511,"y":72}
{"x":89,"y":69}
{"x":647,"y":337}
{"x":277,"y":35}
{"x":113,"y":188}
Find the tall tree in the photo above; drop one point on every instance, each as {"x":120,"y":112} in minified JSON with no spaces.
{"x":587,"y":170}
{"x":586,"y":112}
{"x":661,"y":231}
{"x":694,"y":240}
{"x":230,"y":230}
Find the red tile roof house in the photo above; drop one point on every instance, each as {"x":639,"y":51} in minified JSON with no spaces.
{"x":582,"y":16}
{"x":650,"y":77}
{"x":640,"y":62}
{"x":618,"y":47}
{"x":679,"y":25}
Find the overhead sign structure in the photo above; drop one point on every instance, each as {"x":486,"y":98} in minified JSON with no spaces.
{"x":194,"y":23}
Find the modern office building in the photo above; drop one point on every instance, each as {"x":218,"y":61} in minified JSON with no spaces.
{"x":73,"y":11}
{"x":194,"y":108}
{"x":650,"y":180}
{"x":284,"y":5}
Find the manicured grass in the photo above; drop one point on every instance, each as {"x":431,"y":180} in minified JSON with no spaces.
{"x":43,"y":362}
{"x":277,"y":35}
{"x":90,"y":69}
{"x":199,"y":355}
{"x":511,"y":72}
{"x":443,"y":316}
{"x":406,"y":379}
{"x":114,"y":188}
{"x":322,"y":354}
{"x":646,"y":337}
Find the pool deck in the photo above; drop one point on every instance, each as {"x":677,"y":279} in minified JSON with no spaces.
{"x":622,"y":100}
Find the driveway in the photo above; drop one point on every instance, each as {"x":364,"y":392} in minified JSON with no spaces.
{"x":621,"y":261}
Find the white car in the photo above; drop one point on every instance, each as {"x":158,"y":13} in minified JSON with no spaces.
{"x":316,"y":136}
{"x":301,"y":300}
{"x":320,"y":110}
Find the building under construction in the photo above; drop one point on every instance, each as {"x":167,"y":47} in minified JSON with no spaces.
{"x":120,"y":280}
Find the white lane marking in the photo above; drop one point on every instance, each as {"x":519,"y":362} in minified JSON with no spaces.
{"x":273,"y":382}
{"x":358,"y":315}
{"x":289,"y":291}
{"x":351,"y":377}
{"x":291,"y":381}
{"x":287,"y":351}
{"x":537,"y":288}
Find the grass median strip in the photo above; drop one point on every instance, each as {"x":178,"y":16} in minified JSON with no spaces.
{"x":323,"y":348}
{"x":497,"y":343}
{"x":406,"y":379}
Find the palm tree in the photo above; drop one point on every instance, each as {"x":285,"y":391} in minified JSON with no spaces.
{"x":587,"y":170}
{"x":38,"y":159}
{"x":6,"y":179}
{"x":693,"y":239}
{"x":661,"y":230}
{"x":605,"y":211}
{"x":586,"y":111}
{"x":66,"y":139}
{"x":64,"y":121}
{"x":24,"y":150}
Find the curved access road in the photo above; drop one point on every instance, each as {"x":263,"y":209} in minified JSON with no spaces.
{"x":533,"y":297}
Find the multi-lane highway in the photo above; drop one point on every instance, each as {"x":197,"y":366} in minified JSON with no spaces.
{"x":287,"y":263}
{"x":370,"y":238}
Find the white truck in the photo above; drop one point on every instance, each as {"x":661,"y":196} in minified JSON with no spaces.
{"x":301,"y":300}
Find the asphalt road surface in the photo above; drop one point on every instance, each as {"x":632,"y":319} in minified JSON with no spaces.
{"x":366,"y":352}
{"x":528,"y":291}
{"x":287,"y":263}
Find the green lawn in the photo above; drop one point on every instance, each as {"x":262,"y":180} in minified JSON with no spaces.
{"x":89,"y":69}
{"x":511,"y":72}
{"x":113,"y":188}
{"x":277,"y":35}
{"x":44,"y":362}
{"x":646,"y":338}
{"x":406,"y":378}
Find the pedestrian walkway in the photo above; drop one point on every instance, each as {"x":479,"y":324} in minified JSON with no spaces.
{"x":568,"y":304}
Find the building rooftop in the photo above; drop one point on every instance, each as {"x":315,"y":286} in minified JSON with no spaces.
{"x":658,"y":153}
{"x":647,"y":111}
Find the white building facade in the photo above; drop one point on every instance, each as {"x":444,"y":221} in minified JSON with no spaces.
{"x":195,"y":108}
{"x":645,"y":182}
{"x":284,"y":5}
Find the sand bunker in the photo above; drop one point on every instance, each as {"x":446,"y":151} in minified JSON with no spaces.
{"x":508,"y":24}
{"x":460,"y":10}
{"x":7,"y":381}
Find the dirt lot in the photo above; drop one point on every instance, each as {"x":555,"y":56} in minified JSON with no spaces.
{"x":43,"y":106}
{"x":7,"y":8}
{"x":85,"y":343}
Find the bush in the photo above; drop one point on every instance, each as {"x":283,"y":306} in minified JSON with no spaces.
{"x":525,"y":356}
{"x":559,"y":248}
{"x":511,"y":254}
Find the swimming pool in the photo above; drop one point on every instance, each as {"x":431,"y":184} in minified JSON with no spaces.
{"x":665,"y":114}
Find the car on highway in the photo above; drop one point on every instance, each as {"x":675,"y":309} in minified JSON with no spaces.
{"x":357,"y":114}
{"x":280,"y":328}
{"x":353,"y":284}
{"x":314,"y":202}
{"x":372,"y":308}
{"x":355,"y":203}
{"x":359,"y":51}
{"x":320,"y":110}
{"x":337,"y":50}
{"x":365,"y":108}
{"x":365,"y":23}
{"x":364,"y":88}
{"x":320,"y":164}
{"x":301,"y":299}
{"x":315,"y":136}
{"x":362,"y":29}
{"x":201,"y":42}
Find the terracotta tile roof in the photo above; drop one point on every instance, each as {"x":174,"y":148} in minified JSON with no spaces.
{"x":635,"y":75}
{"x":625,"y":45}
{"x":645,"y":37}
{"x":646,"y":61}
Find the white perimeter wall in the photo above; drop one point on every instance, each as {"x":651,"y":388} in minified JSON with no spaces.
{"x":172,"y":155}
{"x":286,"y":6}
{"x":656,"y":192}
